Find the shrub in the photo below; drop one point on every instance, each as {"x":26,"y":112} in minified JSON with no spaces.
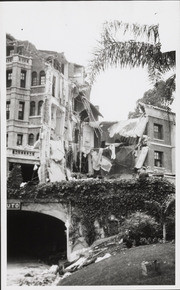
{"x":140,"y":228}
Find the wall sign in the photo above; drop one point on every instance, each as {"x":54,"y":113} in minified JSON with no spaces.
{"x":13,"y":205}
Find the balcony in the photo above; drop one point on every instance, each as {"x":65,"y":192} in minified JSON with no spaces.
{"x":23,"y":155}
{"x":35,"y":121}
{"x":40,"y":89}
{"x":19,"y":58}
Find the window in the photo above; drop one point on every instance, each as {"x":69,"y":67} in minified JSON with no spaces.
{"x":23,"y":79}
{"x":158,"y":131}
{"x":42,"y":78}
{"x":21,"y":111}
{"x":7,"y":110}
{"x":53,"y":86}
{"x":32,"y":108}
{"x":19,"y":139}
{"x":62,"y":68}
{"x":158,"y":159}
{"x":8,"y":78}
{"x":34,"y":79}
{"x":6,"y":140}
{"x":40,"y":107}
{"x":76,"y":136}
{"x":31,"y":139}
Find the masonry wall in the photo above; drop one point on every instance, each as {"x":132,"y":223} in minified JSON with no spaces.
{"x":164,"y":145}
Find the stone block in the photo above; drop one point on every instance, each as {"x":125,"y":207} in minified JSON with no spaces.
{"x":151,"y":268}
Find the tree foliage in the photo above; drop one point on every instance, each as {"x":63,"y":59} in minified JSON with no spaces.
{"x":162,"y":210}
{"x":113,"y":50}
{"x":160,"y":96}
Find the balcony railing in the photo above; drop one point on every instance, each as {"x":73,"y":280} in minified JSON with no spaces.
{"x":37,"y":89}
{"x":18,"y":58}
{"x":23,"y":153}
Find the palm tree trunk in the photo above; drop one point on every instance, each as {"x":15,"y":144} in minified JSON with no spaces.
{"x":164,"y":232}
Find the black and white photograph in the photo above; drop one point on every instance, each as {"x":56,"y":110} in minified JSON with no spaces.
{"x":89,"y":98}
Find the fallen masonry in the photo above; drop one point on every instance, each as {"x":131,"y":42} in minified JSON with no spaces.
{"x":99,"y":251}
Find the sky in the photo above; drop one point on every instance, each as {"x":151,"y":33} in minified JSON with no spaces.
{"x":74,"y":28}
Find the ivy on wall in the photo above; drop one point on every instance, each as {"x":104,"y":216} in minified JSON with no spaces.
{"x":97,"y":199}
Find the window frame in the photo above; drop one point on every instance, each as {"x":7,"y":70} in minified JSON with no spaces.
{"x":158,"y":134}
{"x":42,"y":78}
{"x":40,"y":104}
{"x":54,"y":86}
{"x":21,"y":111}
{"x":32,"y":108}
{"x":21,"y":139}
{"x":23,"y":78}
{"x":31,"y":139}
{"x":8,"y":103}
{"x":158,"y":158}
{"x":34,"y":80}
{"x":8,"y":80}
{"x":7,"y":139}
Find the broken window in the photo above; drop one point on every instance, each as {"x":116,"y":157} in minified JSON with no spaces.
{"x":9,"y":50}
{"x":31,"y":139}
{"x":62,"y":68}
{"x":158,"y":158}
{"x":76,"y":136}
{"x":19,"y":139}
{"x":21,"y":111}
{"x":23,"y":79}
{"x":32,"y":108}
{"x":40,"y":107}
{"x":8,"y":78}
{"x":34,"y":79}
{"x":53,"y":86}
{"x":158,"y":131}
{"x":42,"y":78}
{"x":7,"y":110}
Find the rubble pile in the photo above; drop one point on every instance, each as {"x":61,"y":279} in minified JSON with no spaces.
{"x":100,"y":250}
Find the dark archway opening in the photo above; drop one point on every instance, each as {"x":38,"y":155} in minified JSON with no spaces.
{"x":32,"y":235}
{"x":28,"y":173}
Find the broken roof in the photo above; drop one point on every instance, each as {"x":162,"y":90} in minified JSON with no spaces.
{"x":93,"y":108}
{"x":59,"y":55}
{"x":155,"y":108}
{"x":129,"y":128}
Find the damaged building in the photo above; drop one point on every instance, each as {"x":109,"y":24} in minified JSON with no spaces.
{"x":145,"y":144}
{"x":47,"y":110}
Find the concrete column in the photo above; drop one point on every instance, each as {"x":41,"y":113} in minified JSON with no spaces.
{"x":13,"y":105}
{"x":28,"y":78}
{"x":15,"y":75}
{"x":90,"y":168}
{"x":7,"y":168}
{"x":67,"y":224}
{"x":26,"y":110}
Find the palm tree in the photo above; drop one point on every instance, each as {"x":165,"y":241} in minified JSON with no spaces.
{"x":162,"y":211}
{"x":147,"y":53}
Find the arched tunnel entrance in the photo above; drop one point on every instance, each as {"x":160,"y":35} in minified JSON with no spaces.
{"x":33,"y":235}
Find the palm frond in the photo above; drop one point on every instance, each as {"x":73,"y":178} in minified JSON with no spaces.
{"x":112,"y":52}
{"x":123,"y":54}
{"x":150,"y":32}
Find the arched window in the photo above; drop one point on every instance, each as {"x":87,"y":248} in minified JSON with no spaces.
{"x":34,"y":79}
{"x":42,"y":78}
{"x":32,"y":108}
{"x":31,"y":139}
{"x":37,"y":137}
{"x":40,"y":107}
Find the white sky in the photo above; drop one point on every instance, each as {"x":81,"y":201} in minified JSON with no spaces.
{"x":74,"y":27}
